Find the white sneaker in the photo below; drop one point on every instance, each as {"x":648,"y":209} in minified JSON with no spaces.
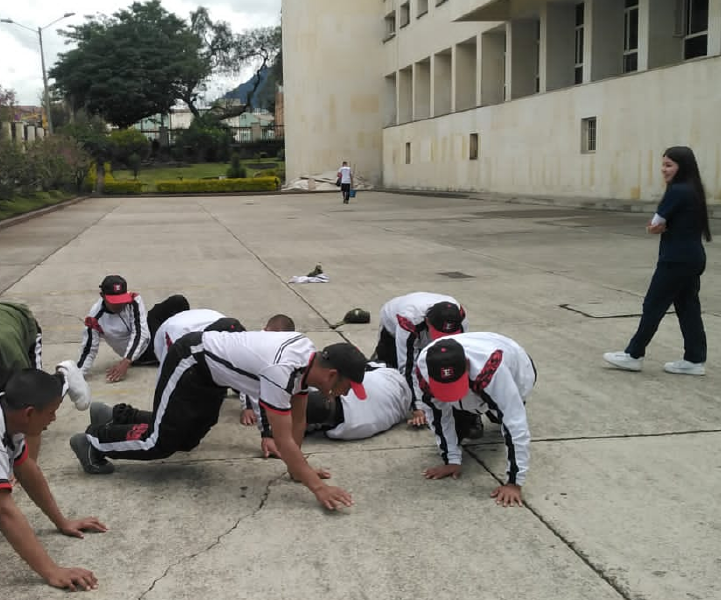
{"x":684,"y":367}
{"x":623,"y":360}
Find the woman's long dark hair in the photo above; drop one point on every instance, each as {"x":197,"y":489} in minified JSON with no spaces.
{"x":688,"y":173}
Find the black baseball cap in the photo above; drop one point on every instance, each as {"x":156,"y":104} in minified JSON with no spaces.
{"x":225,"y":324}
{"x":445,"y":318}
{"x":447,"y":370}
{"x":115,"y":290}
{"x":350,"y":363}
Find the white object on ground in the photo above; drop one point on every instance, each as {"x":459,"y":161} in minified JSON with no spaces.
{"x":322,"y":278}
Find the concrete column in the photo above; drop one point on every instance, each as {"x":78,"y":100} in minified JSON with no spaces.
{"x":390,"y":103}
{"x":493,"y":75}
{"x":644,"y":10}
{"x":7,"y":131}
{"x":479,"y":70}
{"x":405,"y":97}
{"x":521,"y":57}
{"x":714,"y":27}
{"x":19,"y":132}
{"x":421,"y":90}
{"x":454,"y":77}
{"x":39,"y":133}
{"x":30,"y":134}
{"x":442,"y":83}
{"x":465,"y":71}
{"x":558,"y":35}
{"x":604,"y":31}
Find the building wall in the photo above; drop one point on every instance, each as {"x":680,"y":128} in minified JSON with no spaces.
{"x":334,"y":86}
{"x":507,"y":71}
{"x":532,"y":145}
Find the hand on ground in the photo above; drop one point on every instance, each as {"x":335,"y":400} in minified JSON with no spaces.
{"x":453,"y":471}
{"x":508,"y":495}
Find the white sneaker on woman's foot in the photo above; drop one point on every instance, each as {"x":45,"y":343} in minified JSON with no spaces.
{"x":684,"y":367}
{"x":623,"y":360}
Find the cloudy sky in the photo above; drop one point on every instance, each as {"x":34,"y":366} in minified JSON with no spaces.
{"x":20,"y":67}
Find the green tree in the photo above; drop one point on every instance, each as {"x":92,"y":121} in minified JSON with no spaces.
{"x":142,"y":60}
{"x":129,"y":66}
{"x":7,"y":102}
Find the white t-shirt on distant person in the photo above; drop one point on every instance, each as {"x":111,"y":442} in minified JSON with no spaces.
{"x":345,"y":175}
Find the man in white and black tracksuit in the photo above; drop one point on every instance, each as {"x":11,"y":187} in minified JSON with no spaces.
{"x":407,"y":325}
{"x":119,"y":317}
{"x":347,"y":417}
{"x":197,"y":370}
{"x":188,"y":321}
{"x":478,"y":373}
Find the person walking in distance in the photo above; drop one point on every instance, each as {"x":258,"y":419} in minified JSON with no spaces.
{"x":682,"y":221}
{"x":346,"y":181}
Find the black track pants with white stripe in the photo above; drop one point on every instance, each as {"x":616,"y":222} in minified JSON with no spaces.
{"x":185,"y":408}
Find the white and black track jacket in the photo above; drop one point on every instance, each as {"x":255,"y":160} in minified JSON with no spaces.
{"x":501,"y":379}
{"x":267,"y":365}
{"x":404,"y":318}
{"x":125,"y":332}
{"x":387,"y":403}
{"x":178,"y":325}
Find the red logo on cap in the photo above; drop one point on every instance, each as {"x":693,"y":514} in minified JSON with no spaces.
{"x":447,"y":372}
{"x":117,"y":287}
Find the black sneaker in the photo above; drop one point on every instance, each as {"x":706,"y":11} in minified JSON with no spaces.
{"x":100,"y":414}
{"x":93,"y":463}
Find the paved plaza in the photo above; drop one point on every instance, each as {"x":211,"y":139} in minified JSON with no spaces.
{"x":625,"y":475}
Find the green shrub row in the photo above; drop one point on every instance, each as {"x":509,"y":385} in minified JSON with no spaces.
{"x":123,"y":187}
{"x":256,"y":184}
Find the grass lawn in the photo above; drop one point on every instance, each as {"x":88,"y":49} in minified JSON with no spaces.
{"x":23,"y":204}
{"x":197,"y":171}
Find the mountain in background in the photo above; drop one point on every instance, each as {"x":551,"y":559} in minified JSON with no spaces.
{"x":261,"y":99}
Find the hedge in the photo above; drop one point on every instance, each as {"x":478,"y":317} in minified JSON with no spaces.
{"x":180,"y":186}
{"x":123,"y":187}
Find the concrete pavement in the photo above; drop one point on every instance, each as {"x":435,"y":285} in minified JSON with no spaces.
{"x":624,"y":476}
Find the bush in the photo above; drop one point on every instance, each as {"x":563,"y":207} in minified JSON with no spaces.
{"x":193,"y":186}
{"x":236,"y":170}
{"x":267,"y":173}
{"x":207,"y":137}
{"x":114,"y":187}
{"x":18,"y":172}
{"x":129,"y":142}
{"x":61,"y":163}
{"x":92,"y":177}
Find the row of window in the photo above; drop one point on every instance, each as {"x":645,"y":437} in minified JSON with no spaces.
{"x":404,"y":15}
{"x":588,"y":141}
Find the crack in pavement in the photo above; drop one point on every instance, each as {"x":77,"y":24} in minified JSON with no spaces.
{"x":217,"y":541}
{"x":611,"y":580}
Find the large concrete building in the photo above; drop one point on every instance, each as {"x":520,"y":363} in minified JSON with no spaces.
{"x":515,"y":96}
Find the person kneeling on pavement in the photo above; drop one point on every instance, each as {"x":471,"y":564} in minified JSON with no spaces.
{"x":478,"y":373}
{"x":29,"y":401}
{"x":119,"y":317}
{"x":276,"y":367}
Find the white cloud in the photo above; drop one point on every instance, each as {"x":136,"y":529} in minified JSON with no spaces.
{"x":20,"y":57}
